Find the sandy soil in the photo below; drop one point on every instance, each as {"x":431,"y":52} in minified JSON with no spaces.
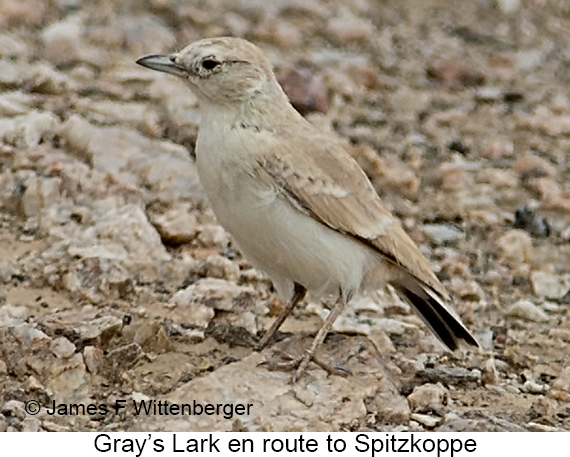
{"x":116,"y":283}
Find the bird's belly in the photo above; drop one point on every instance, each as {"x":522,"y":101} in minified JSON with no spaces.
{"x":290,"y":246}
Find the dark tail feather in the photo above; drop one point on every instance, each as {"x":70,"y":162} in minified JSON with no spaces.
{"x":446,"y":326}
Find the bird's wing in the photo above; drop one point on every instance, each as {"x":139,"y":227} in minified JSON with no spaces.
{"x":330,"y":186}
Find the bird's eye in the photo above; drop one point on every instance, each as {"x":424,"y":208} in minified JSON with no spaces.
{"x":209,"y":63}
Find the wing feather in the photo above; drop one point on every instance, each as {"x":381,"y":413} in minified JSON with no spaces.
{"x":330,"y":186}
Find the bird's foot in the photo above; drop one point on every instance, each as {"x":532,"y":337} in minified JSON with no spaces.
{"x":300,"y":364}
{"x":262,"y":344}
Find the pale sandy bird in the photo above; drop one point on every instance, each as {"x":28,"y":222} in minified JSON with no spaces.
{"x":297,"y":204}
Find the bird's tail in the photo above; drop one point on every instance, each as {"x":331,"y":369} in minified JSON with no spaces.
{"x":432,"y":308}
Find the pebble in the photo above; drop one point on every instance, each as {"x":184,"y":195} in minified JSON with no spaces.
{"x":217,"y":293}
{"x":62,"y":347}
{"x":428,"y":396}
{"x":44,"y":79}
{"x":487,"y":423}
{"x":560,"y":333}
{"x":30,"y":424}
{"x":502,"y":365}
{"x":495,"y":390}
{"x":83,"y":325}
{"x":455,"y":74}
{"x":110,"y":112}
{"x":467,"y":290}
{"x":528,"y":60}
{"x":213,"y":235}
{"x":126,"y":153}
{"x":151,"y":337}
{"x":489,"y":375}
{"x":93,"y":358}
{"x":498,"y":148}
{"x":15,"y":103}
{"x":454,"y":177}
{"x":509,"y":6}
{"x":177,"y":225}
{"x":11,"y":46}
{"x":30,"y":336}
{"x":527,"y":310}
{"x":449,"y":376}
{"x":550,"y":285}
{"x":515,"y":246}
{"x":485,"y":338}
{"x":33,"y":385}
{"x":53,"y":427}
{"x":62,"y":40}
{"x":562,"y":382}
{"x":102,"y":327}
{"x":217,"y":266}
{"x":551,"y":307}
{"x":544,"y":407}
{"x":427,"y":421}
{"x":532,"y":387}
{"x":382,"y":342}
{"x":489,"y":94}
{"x":512,"y":389}
{"x":389,"y":405}
{"x":534,"y":165}
{"x":348,"y":28}
{"x":122,"y":359}
{"x":395,"y":326}
{"x":528,"y":220}
{"x":14,"y":409}
{"x":139,"y":397}
{"x":536,"y":427}
{"x":40,"y":193}
{"x":11,"y":316}
{"x":195,"y":305}
{"x":306,"y":91}
{"x":142,"y":32}
{"x":28,"y":130}
{"x":440,"y":234}
{"x":544,"y":118}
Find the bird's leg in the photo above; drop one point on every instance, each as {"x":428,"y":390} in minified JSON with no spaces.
{"x":299,"y":294}
{"x":309,"y":354}
{"x":300,"y":364}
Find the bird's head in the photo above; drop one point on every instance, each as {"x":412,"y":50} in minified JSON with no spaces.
{"x":220,"y":70}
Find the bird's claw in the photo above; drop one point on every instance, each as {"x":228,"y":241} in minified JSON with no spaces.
{"x":300,"y":364}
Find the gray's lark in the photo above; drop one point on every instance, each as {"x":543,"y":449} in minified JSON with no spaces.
{"x":297,"y":204}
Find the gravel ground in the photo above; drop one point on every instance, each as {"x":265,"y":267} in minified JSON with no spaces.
{"x":117,"y":284}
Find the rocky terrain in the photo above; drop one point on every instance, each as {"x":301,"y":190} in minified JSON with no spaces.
{"x":117,"y":284}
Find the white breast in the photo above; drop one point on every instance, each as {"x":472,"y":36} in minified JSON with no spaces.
{"x":278,"y":239}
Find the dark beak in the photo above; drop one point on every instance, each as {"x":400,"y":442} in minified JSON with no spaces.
{"x":164,"y":63}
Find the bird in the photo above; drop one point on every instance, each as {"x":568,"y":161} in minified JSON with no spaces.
{"x":295,"y":201}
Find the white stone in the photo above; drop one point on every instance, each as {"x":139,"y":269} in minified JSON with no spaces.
{"x":527,"y":310}
{"x":550,"y":285}
{"x":442,"y":233}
